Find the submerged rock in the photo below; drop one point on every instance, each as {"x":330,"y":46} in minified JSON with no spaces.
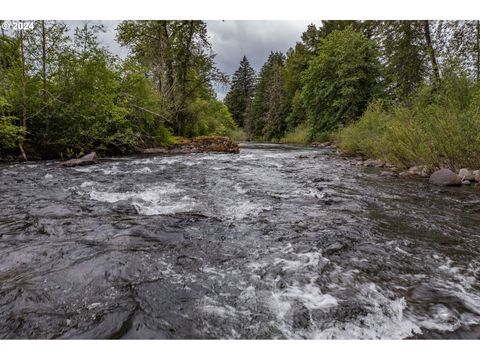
{"x":476,"y":173}
{"x":124,"y":207}
{"x":373,"y":163}
{"x":301,"y":317}
{"x":88,"y":159}
{"x":388,"y":173}
{"x":427,"y":294}
{"x":421,"y":171}
{"x":445,"y":177}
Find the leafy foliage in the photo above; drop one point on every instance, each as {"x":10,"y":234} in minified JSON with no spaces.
{"x":341,"y":81}
{"x":10,"y":135}
{"x":72,"y":96}
{"x":442,"y":130}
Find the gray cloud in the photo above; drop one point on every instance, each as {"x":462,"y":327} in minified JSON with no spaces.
{"x":253,"y":38}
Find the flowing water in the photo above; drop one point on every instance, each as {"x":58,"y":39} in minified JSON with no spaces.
{"x":274,"y":242}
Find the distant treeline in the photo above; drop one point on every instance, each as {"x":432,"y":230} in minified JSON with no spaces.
{"x":360,"y":83}
{"x":332,"y":76}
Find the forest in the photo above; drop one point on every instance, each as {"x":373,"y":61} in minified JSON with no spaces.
{"x":404,"y":91}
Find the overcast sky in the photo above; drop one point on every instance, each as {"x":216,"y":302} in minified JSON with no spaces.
{"x":232,"y":39}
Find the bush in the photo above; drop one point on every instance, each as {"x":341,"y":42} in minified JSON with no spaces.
{"x":237,"y":135}
{"x":209,"y":117}
{"x":10,"y":134}
{"x":299,"y":135}
{"x":440,"y":129}
{"x":163,"y":136}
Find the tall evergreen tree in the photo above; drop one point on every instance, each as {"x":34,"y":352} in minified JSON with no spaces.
{"x":262,"y":92}
{"x":402,"y":46}
{"x":274,"y":124}
{"x":241,"y":91}
{"x":458,"y":45}
{"x":297,"y":62}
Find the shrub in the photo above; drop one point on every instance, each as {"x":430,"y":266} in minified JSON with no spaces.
{"x":440,"y":129}
{"x":299,"y":135}
{"x":10,"y":134}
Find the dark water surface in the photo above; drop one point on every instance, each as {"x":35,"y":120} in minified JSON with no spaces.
{"x":274,"y":242}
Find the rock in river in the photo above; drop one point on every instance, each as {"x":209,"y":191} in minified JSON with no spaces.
{"x":445,"y":177}
{"x":200,"y":144}
{"x":373,"y":163}
{"x":88,"y":159}
{"x":388,"y":174}
{"x":466,"y":174}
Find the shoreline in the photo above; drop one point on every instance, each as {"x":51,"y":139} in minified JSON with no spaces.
{"x":201,"y":144}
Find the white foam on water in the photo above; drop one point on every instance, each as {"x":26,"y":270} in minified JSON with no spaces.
{"x":383,"y":322}
{"x":144,"y":170}
{"x":154,"y":193}
{"x":87,"y":184}
{"x":245,"y":209}
{"x":214,"y":307}
{"x":154,"y":201}
{"x":85,"y":169}
{"x":48,"y":176}
{"x":309,"y":295}
{"x":238,"y":188}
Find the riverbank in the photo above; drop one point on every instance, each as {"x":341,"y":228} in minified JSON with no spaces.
{"x":200,"y":144}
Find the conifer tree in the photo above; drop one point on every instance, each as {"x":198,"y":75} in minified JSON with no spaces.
{"x":241,"y":91}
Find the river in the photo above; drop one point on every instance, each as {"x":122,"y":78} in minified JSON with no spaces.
{"x":274,"y":242}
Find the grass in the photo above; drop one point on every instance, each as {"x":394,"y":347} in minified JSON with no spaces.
{"x":237,"y":135}
{"x":299,"y":135}
{"x":437,"y":130}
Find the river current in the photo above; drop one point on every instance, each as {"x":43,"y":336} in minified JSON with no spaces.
{"x":274,"y":242}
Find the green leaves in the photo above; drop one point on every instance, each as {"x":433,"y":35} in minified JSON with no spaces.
{"x":340,"y":81}
{"x":10,"y":134}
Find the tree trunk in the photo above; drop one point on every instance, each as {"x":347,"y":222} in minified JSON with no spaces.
{"x":44,"y":72}
{"x":182,"y":115}
{"x":24,"y":80}
{"x":478,"y":50}
{"x":431,"y":52}
{"x":24,"y":91}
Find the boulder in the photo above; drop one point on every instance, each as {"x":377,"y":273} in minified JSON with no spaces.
{"x":214,"y":144}
{"x":425,"y":293}
{"x":301,"y":317}
{"x":388,"y":173}
{"x":418,"y":171}
{"x":445,"y":177}
{"x":466,"y":174}
{"x":124,"y":207}
{"x":200,"y":144}
{"x":405,"y":174}
{"x":476,"y":173}
{"x":88,"y":159}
